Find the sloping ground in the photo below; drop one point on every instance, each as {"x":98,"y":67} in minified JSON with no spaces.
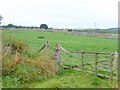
{"x":67,"y":78}
{"x":73,"y":79}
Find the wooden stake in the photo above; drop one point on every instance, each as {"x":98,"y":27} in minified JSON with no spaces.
{"x":47,"y":48}
{"x":57,"y":54}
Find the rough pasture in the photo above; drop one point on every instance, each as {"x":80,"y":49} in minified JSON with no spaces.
{"x":67,"y":78}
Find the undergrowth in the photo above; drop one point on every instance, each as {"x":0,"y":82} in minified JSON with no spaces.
{"x":20,"y":68}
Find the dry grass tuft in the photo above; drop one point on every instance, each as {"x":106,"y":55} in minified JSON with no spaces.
{"x":28,"y":69}
{"x":16,"y":64}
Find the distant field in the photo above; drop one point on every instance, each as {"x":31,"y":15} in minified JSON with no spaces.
{"x":68,"y":78}
{"x":73,"y":43}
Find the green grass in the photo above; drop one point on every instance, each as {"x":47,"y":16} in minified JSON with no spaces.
{"x":69,"y":42}
{"x":68,"y":78}
{"x":72,"y":79}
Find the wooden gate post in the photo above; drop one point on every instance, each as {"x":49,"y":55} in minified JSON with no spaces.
{"x":47,"y":48}
{"x":57,"y":54}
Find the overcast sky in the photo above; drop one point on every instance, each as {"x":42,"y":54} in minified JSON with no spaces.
{"x":61,"y":13}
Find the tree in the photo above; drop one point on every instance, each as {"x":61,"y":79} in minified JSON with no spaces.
{"x":10,"y":26}
{"x":44,"y":26}
{"x":1,"y":17}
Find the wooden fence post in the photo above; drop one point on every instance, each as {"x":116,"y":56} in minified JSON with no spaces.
{"x":96,"y":63}
{"x":7,"y":51}
{"x":47,"y":48}
{"x":57,"y":54}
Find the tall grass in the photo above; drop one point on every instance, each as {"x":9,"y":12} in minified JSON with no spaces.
{"x":18,"y":69}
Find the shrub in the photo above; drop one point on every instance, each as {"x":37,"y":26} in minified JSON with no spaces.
{"x":29,"y":70}
{"x":17,"y":67}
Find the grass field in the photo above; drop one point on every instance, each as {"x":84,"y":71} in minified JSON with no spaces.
{"x":69,"y":42}
{"x":68,"y":78}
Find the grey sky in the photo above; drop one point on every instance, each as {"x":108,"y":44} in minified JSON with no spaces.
{"x":60,"y":13}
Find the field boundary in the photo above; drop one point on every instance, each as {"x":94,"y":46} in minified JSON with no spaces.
{"x":84,"y":67}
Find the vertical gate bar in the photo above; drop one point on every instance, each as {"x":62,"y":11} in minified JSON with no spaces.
{"x":111,"y":67}
{"x":96,"y":63}
{"x":82,"y":60}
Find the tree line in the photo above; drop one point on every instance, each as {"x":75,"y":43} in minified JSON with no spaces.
{"x":18,"y":26}
{"x":44,"y":26}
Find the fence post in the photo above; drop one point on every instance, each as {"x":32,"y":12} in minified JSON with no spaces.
{"x":57,"y":54}
{"x":96,"y":63}
{"x":47,"y":48}
{"x":82,"y":60}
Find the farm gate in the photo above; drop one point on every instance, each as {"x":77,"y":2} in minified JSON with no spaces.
{"x":98,"y":63}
